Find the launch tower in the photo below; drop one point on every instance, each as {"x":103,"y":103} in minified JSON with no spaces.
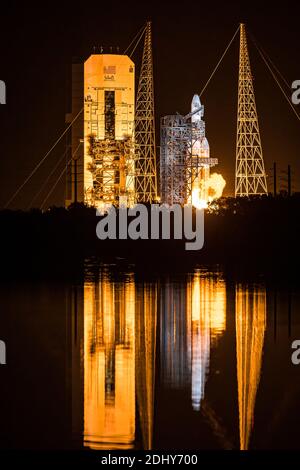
{"x":185,"y":158}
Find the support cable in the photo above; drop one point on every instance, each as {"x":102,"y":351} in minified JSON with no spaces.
{"x":46,"y":180}
{"x":60,"y":176}
{"x":53,"y":187}
{"x":222,"y":57}
{"x":141,"y":31}
{"x":41,"y":161}
{"x":277,"y":81}
{"x":259,"y":46}
{"x":138,"y":41}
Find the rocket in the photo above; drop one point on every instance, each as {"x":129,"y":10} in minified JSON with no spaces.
{"x":200,"y":149}
{"x":197,"y":110}
{"x":201,"y":146}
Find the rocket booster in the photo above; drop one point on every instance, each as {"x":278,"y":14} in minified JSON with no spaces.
{"x":199,"y":151}
{"x":196,"y":118}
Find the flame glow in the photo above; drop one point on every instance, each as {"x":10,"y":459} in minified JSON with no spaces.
{"x":197,"y":201}
{"x":213,"y":188}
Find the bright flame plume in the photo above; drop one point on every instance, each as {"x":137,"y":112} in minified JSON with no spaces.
{"x":213,"y":188}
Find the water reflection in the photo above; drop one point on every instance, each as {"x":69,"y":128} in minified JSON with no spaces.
{"x":250,"y":317}
{"x":193,"y":316}
{"x":109,"y":364}
{"x":123,"y":318}
{"x":145,"y":337}
{"x":119,"y":355}
{"x":122,"y":363}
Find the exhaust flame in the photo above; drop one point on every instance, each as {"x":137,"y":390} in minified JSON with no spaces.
{"x":213,"y":188}
{"x":197,"y":201}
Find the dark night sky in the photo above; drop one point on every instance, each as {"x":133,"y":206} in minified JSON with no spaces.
{"x":38,"y":44}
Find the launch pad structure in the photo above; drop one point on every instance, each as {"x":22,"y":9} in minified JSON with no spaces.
{"x":117,"y":129}
{"x":184,"y":157}
{"x":250,"y":174}
{"x":113,"y":171}
{"x":110,"y":154}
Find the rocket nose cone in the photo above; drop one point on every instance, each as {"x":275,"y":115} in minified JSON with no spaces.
{"x":196,"y":101}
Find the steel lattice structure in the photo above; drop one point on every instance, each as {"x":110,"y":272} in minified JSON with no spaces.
{"x":174,"y":146}
{"x":179,"y":163}
{"x":113,"y":170}
{"x":146,"y":177}
{"x":250,"y":176}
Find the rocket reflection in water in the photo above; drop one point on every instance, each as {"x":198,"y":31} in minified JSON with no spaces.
{"x":193,"y":316}
{"x":119,"y":354}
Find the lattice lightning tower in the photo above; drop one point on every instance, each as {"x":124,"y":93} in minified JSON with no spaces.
{"x":250,"y":176}
{"x":146,"y":178}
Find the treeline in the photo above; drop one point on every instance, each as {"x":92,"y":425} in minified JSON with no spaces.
{"x":259,"y":234}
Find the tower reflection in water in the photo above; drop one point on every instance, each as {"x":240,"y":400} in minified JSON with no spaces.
{"x":119,"y":354}
{"x":193,"y":316}
{"x":250,"y":321}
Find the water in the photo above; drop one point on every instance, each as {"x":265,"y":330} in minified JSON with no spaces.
{"x":195,"y":361}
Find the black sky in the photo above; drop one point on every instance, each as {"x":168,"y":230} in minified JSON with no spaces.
{"x":38,"y":44}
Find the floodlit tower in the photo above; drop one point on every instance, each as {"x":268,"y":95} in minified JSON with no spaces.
{"x":146,"y":178}
{"x":250,"y":176}
{"x":108,"y":129}
{"x":103,"y":136}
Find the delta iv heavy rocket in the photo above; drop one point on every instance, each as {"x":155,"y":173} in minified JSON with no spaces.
{"x":200,"y":151}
